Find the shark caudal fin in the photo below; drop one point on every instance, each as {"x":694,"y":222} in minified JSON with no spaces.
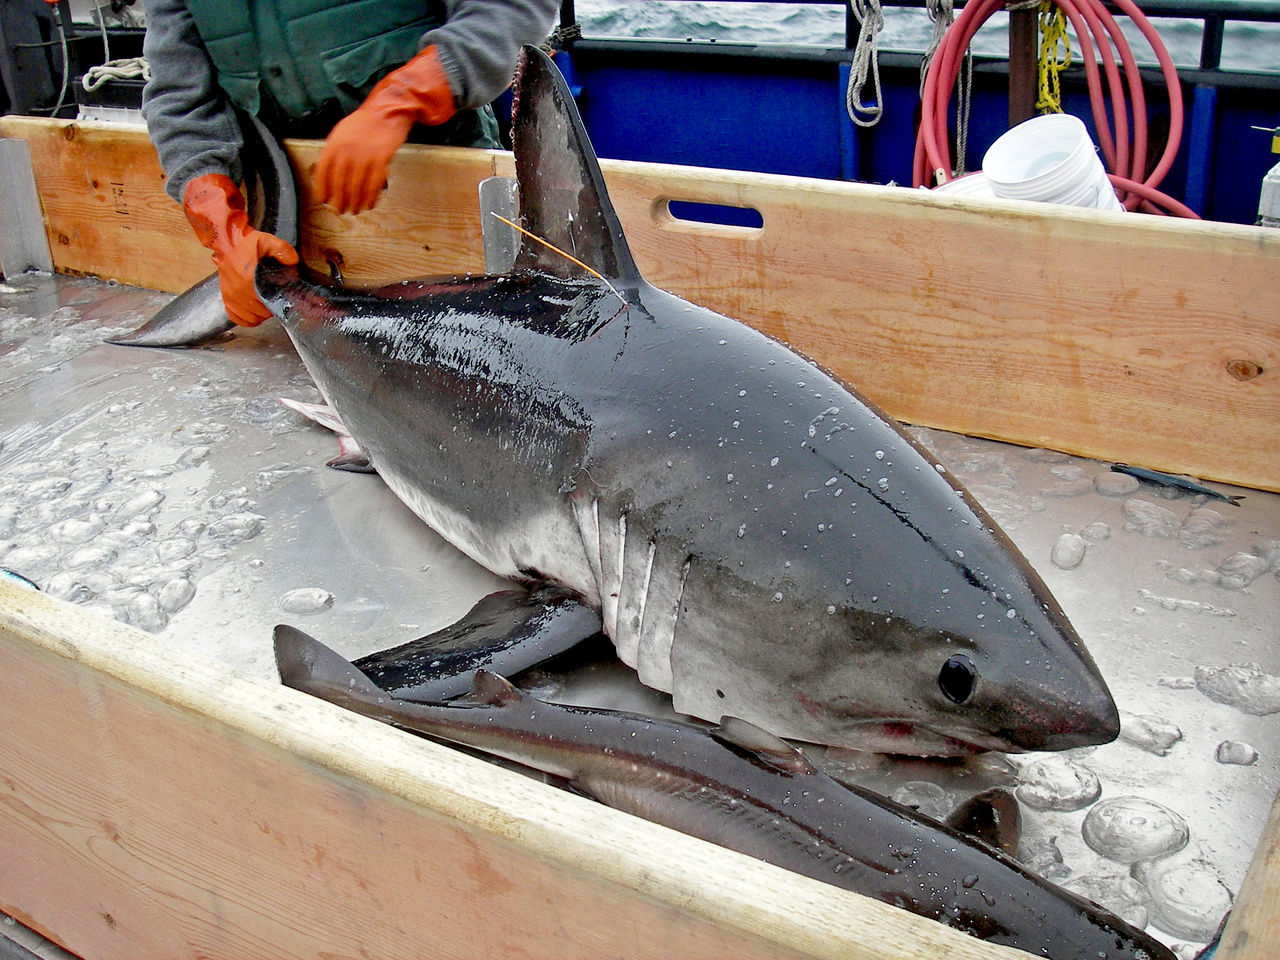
{"x":308,"y":665}
{"x":197,"y":314}
{"x":563,"y":199}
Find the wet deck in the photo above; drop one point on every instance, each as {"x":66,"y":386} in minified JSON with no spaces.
{"x":171,"y":490}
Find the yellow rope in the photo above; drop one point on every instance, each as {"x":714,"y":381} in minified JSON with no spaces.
{"x":1053,"y":34}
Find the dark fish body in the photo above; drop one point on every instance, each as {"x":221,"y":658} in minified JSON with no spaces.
{"x":743,"y":789}
{"x":1174,"y":482}
{"x":760,"y":540}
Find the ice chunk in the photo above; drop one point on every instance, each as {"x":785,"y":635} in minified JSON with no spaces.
{"x":1241,"y":569}
{"x":1058,"y":783}
{"x":1150,"y":733}
{"x":1150,"y":519}
{"x":1113,"y":484}
{"x":1068,"y":552}
{"x":306,"y":601}
{"x":1241,"y":685}
{"x":1186,"y":899}
{"x":1235,"y":752}
{"x":1123,"y":896}
{"x":1042,"y":857}
{"x":1127,"y":829}
{"x":929,"y":798}
{"x":234,"y":528}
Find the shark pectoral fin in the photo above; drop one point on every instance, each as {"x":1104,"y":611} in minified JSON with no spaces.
{"x":992,"y":816}
{"x":491,"y":689}
{"x":506,"y":632}
{"x":320,"y":413}
{"x":772,"y":750}
{"x":308,"y":665}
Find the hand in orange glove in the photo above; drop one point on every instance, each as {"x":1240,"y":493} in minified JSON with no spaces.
{"x":216,"y":209}
{"x":353,"y":165}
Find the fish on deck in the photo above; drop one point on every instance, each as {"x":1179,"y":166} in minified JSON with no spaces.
{"x":758,"y":539}
{"x":737,"y":786}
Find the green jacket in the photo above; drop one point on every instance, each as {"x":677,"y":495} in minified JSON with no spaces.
{"x":303,"y":58}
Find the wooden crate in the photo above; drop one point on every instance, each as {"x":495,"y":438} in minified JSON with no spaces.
{"x":156,"y":805}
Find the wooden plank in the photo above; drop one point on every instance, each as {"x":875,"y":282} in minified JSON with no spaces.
{"x":153,"y":804}
{"x":1114,"y":336}
{"x":1253,"y":929}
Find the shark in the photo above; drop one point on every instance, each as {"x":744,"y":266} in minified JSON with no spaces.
{"x":754,"y":537}
{"x":742,"y":788}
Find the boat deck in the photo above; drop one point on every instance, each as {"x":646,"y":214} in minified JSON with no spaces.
{"x":170,"y":490}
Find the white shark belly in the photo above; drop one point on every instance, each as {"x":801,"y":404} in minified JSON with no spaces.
{"x":549,"y":543}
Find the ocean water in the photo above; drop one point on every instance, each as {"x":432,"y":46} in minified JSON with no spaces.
{"x":1246,"y":46}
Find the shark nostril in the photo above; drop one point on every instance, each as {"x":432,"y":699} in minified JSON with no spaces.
{"x":956,"y":678}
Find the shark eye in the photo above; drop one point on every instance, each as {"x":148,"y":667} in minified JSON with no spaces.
{"x":956,"y":678}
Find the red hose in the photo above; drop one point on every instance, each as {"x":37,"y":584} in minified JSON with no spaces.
{"x":1093,"y":24}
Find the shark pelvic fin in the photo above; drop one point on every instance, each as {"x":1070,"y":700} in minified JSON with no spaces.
{"x":563,"y":200}
{"x":489,"y":688}
{"x":772,"y":750}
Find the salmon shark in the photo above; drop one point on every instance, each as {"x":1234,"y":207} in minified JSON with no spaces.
{"x":758,"y":539}
{"x":737,"y":786}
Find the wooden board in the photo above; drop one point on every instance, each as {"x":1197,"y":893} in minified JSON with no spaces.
{"x":194,"y":812}
{"x":1114,"y":336}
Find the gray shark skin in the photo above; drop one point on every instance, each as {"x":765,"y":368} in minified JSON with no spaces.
{"x":760,"y":540}
{"x":741,"y":788}
{"x":197,"y":314}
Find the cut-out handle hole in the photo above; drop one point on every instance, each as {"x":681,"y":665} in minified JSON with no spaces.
{"x":717,"y":213}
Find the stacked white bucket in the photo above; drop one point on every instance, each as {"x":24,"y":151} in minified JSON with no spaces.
{"x":1052,"y":159}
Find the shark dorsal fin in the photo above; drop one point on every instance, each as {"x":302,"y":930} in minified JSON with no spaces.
{"x":563,"y":199}
{"x":772,"y":750}
{"x":490,"y":689}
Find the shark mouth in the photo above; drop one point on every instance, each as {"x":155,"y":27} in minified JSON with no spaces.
{"x":907,"y":738}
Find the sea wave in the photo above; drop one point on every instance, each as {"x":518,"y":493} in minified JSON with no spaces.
{"x":1246,"y":46}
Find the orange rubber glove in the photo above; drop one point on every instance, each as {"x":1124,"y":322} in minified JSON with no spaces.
{"x":353,"y":165}
{"x":215,"y":208}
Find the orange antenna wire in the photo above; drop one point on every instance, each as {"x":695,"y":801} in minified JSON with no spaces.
{"x":552,"y":246}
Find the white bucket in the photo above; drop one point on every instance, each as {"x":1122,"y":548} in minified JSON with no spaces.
{"x":1049,"y":158}
{"x":970,"y":185}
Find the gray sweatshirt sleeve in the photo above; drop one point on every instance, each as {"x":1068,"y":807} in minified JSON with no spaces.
{"x":479,"y":43}
{"x":189,"y":120}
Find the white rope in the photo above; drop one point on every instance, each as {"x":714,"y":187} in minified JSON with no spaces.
{"x":95,"y":77}
{"x":66,"y":64}
{"x":865,"y":61}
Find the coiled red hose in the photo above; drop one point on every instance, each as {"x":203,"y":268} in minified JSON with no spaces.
{"x":1093,"y":23}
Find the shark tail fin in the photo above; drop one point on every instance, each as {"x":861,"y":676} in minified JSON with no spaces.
{"x":308,"y":665}
{"x":563,"y":200}
{"x":492,"y":690}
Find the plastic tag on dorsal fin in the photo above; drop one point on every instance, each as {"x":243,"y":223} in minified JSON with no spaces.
{"x":772,"y":750}
{"x":491,"y":689}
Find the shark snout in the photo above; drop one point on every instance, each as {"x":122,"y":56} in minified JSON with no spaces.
{"x":1055,"y":720}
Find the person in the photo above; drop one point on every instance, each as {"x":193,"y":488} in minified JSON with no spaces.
{"x":362,"y":73}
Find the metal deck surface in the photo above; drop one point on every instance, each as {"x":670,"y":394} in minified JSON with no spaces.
{"x":170,"y":489}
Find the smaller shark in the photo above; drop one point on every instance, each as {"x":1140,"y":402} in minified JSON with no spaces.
{"x":742,"y":788}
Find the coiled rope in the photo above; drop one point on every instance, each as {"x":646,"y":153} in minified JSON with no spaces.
{"x":865,"y":63}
